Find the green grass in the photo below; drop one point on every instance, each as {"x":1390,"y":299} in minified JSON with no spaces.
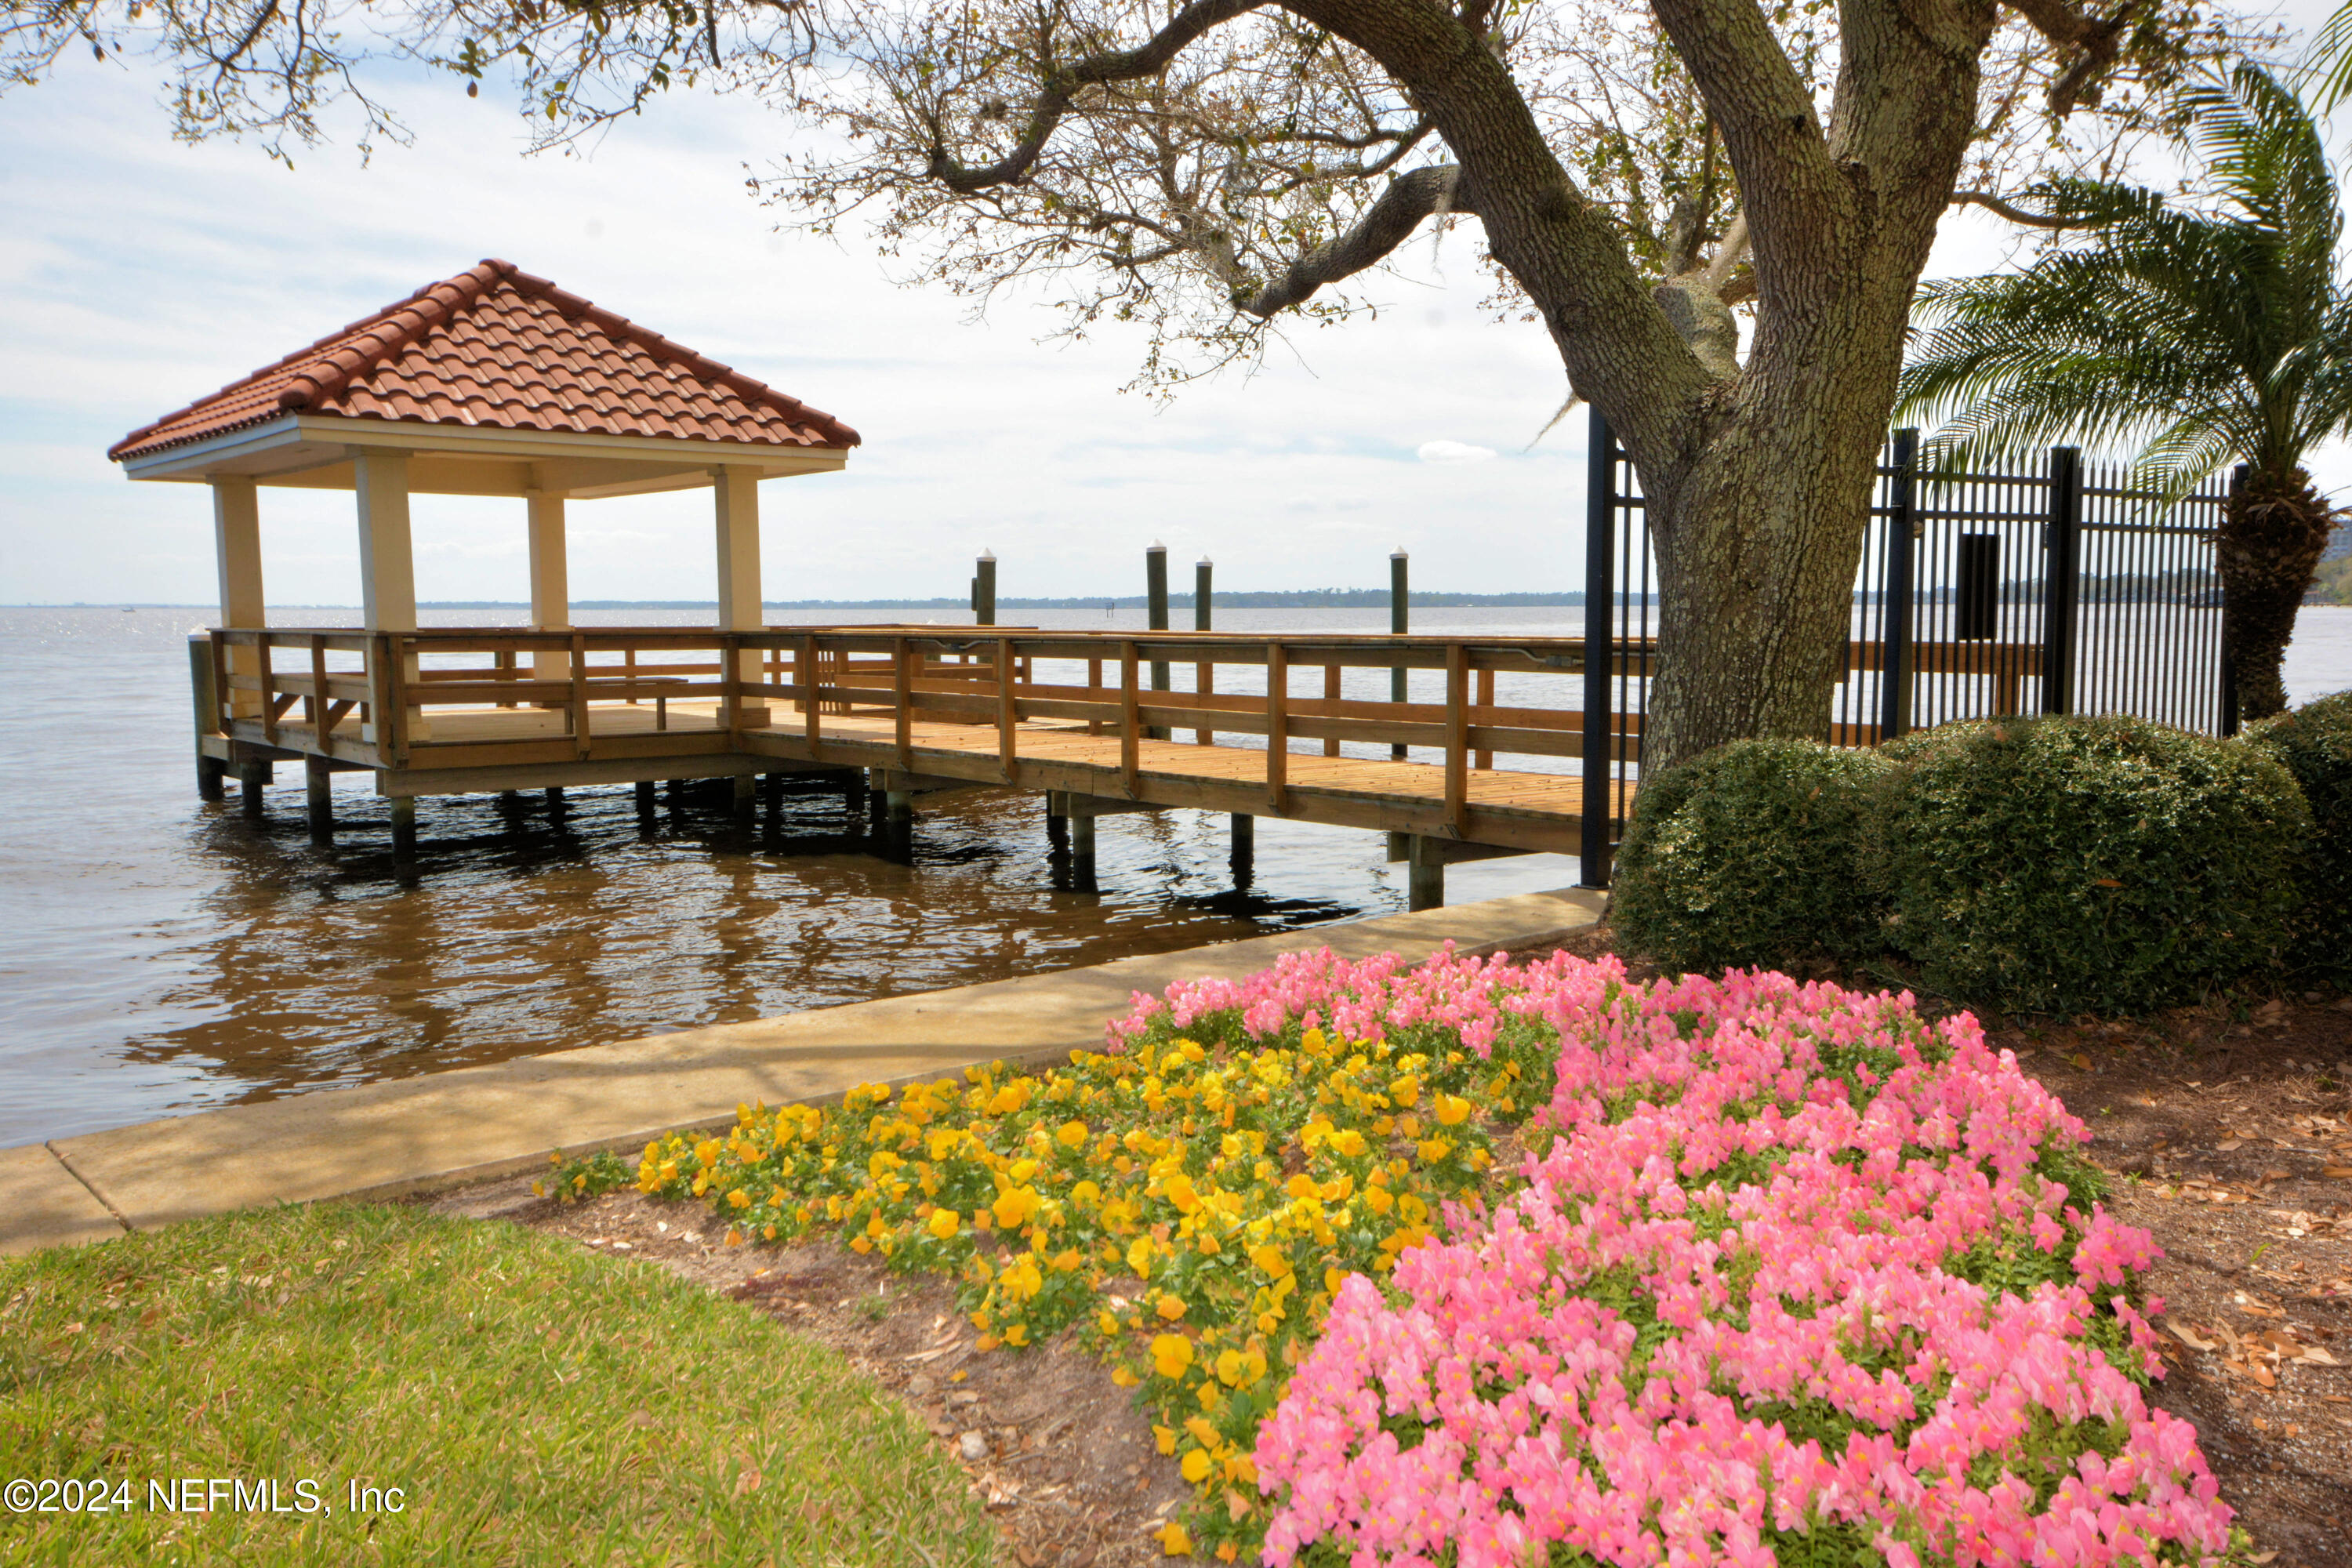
{"x":535,"y":1404}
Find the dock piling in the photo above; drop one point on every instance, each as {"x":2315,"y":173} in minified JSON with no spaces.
{"x":983,"y":590}
{"x":1155,"y":595}
{"x":1400,"y":623}
{"x":1245,"y":848}
{"x":555,"y":800}
{"x":211,"y":773}
{"x":251,"y":778}
{"x":1424,"y":874}
{"x":645,"y":801}
{"x":404,"y":829}
{"x":746,"y":794}
{"x":321,"y":778}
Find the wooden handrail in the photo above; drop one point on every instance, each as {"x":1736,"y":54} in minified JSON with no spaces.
{"x":895,"y":682}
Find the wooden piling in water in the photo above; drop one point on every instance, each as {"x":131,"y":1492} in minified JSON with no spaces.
{"x":1400,"y":623}
{"x":1155,"y":599}
{"x":251,"y":779}
{"x":319,"y":775}
{"x":403,"y":827}
{"x":1424,"y":873}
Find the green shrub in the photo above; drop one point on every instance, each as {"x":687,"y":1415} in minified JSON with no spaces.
{"x":1746,"y":857}
{"x":2085,"y":864}
{"x":2315,"y":743}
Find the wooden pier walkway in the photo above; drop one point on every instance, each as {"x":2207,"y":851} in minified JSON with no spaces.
{"x":1300,"y":727}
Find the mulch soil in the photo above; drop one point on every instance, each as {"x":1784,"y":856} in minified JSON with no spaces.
{"x":2225,"y":1129}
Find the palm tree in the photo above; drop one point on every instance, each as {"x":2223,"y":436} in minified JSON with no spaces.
{"x":2202,"y":335}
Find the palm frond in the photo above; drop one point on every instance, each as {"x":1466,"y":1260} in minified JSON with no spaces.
{"x":2191,"y":332}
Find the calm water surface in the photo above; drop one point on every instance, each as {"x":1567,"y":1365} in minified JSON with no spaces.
{"x":159,"y":955}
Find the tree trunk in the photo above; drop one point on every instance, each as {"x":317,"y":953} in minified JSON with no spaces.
{"x":2273,"y":529}
{"x":1758,"y":539}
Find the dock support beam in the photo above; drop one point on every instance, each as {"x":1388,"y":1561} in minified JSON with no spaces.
{"x":555,"y":800}
{"x":320,"y":775}
{"x":747,"y":794}
{"x":211,"y":772}
{"x":250,"y":779}
{"x":1082,"y":845}
{"x":404,"y":829}
{"x":1425,"y":874}
{"x":645,"y":801}
{"x":1245,"y":852}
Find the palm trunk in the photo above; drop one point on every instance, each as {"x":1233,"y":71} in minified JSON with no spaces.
{"x":2273,"y":529}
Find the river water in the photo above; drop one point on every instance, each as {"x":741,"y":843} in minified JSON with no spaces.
{"x":159,"y":955}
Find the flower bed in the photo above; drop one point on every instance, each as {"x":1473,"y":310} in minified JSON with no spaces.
{"x":1779,"y":1272}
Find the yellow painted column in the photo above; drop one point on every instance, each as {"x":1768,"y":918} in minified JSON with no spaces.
{"x":387,"y":557}
{"x":551,"y":582}
{"x":237,"y":549}
{"x":736,"y":492}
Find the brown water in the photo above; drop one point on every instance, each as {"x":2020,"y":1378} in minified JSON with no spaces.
{"x":159,"y":955}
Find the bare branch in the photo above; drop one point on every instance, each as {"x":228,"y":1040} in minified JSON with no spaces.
{"x":1063,"y":85}
{"x":2014,"y":214}
{"x":1388,"y":223}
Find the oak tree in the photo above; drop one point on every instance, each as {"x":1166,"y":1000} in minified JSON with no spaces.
{"x":1718,"y":209}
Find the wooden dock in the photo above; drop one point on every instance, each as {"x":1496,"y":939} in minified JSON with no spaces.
{"x":1096,"y":723}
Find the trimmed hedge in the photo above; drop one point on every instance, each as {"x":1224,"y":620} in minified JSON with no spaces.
{"x":2315,"y":743}
{"x":2086,"y":865}
{"x":1746,"y":857}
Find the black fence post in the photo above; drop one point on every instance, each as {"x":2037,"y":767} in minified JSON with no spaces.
{"x":2061,"y":589}
{"x":1593,"y":853}
{"x":1896,"y":615}
{"x":2228,"y":692}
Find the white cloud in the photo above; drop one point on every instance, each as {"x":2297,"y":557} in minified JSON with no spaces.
{"x":1452,"y":452}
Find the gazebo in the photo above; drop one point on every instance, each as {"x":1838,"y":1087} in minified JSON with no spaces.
{"x":493,"y":383}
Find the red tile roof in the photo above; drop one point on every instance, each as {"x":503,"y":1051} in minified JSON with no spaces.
{"x":496,"y":347}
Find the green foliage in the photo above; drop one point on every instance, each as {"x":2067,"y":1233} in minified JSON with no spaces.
{"x":2072,"y":865}
{"x":2313,"y":742}
{"x":1746,"y":857}
{"x":2201,"y":336}
{"x":576,"y":1179}
{"x":532,"y":1403}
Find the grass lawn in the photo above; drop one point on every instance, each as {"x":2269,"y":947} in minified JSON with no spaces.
{"x":532,"y":1403}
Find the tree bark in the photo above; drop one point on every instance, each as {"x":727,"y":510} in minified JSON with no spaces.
{"x":2273,"y":529}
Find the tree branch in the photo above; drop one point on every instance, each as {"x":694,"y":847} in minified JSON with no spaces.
{"x":2016,"y":215}
{"x":1755,"y":99}
{"x":2099,"y":39}
{"x":1386,"y":225}
{"x":1063,"y":85}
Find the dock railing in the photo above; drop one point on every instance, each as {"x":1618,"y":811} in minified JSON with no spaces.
{"x":454,"y":699}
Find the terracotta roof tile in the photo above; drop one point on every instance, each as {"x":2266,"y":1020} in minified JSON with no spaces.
{"x":496,"y":347}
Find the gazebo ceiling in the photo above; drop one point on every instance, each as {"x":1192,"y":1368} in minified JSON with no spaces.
{"x":494,"y":382}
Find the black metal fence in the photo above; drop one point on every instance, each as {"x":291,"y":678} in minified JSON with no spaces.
{"x":2058,"y":591}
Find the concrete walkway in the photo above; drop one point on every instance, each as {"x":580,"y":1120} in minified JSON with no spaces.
{"x":448,"y":1129}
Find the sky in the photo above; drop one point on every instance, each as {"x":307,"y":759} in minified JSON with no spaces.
{"x":138,"y":274}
